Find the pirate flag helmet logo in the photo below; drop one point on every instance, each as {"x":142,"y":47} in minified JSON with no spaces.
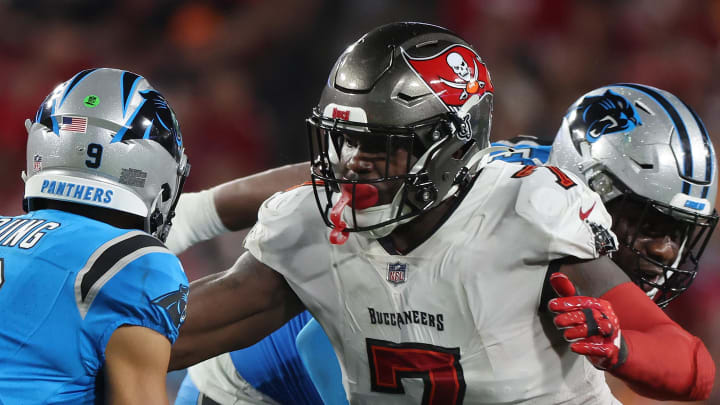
{"x":453,"y":74}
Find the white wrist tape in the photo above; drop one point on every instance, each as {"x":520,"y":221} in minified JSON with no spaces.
{"x":196,"y":219}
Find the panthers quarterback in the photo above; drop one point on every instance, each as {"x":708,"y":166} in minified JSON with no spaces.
{"x":409,"y":268}
{"x":90,"y":297}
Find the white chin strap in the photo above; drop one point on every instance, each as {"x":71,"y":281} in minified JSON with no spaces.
{"x":386,"y":212}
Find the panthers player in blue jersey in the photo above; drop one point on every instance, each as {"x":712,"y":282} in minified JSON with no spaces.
{"x":90,"y":298}
{"x":657,"y":267}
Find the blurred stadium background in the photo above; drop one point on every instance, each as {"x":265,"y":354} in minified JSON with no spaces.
{"x":243,"y":75}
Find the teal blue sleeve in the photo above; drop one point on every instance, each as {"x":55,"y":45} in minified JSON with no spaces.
{"x":525,"y":152}
{"x":319,"y":358}
{"x":150,"y":291}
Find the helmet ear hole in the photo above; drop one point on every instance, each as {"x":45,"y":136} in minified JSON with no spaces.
{"x":602,"y":184}
{"x":165,"y":192}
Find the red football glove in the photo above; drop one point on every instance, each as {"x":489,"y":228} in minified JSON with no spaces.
{"x":590,"y":323}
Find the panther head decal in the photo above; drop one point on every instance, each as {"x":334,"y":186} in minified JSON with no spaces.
{"x":600,"y":115}
{"x":174,"y":303}
{"x":155,"y":120}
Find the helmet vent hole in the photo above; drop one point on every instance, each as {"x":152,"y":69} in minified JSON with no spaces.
{"x":645,"y":166}
{"x":410,"y":100}
{"x":165,"y":192}
{"x":643,"y":107}
{"x":406,"y":97}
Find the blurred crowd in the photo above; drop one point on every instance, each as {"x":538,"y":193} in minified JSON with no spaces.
{"x":243,"y":75}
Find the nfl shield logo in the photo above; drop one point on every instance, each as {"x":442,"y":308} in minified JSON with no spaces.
{"x":37,"y":163}
{"x":396,"y":272}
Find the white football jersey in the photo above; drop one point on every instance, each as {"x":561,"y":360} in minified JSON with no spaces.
{"x":457,"y":319}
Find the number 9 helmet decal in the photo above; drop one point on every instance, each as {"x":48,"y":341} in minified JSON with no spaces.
{"x":107,"y":138}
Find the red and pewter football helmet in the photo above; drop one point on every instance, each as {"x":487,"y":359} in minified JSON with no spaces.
{"x":403,"y":85}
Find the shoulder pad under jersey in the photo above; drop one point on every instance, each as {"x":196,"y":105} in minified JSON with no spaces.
{"x":560,"y":206}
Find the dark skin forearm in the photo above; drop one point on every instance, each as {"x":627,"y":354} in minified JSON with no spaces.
{"x":214,"y":342}
{"x":593,"y":277}
{"x":238,"y":201}
{"x":232,"y":310}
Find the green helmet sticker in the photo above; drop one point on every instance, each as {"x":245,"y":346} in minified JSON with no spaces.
{"x":91,"y":101}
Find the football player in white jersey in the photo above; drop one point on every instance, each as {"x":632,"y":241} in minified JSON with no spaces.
{"x":432,"y":282}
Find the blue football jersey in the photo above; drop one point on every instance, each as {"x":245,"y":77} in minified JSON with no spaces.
{"x":273,"y":365}
{"x":525,"y":150}
{"x":322,"y":364}
{"x":67,"y":283}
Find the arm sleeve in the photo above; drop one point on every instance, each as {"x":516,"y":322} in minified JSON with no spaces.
{"x":196,"y":220}
{"x":318,"y":356}
{"x":664,"y":361}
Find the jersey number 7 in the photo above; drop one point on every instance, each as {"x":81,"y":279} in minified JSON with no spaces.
{"x":560,"y":177}
{"x":438,"y":367}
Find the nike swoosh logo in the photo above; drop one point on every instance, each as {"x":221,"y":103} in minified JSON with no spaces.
{"x":584,"y":215}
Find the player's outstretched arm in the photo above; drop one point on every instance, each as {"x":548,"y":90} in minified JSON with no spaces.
{"x":231,"y":310}
{"x":237,"y":201}
{"x":624,"y":332}
{"x":136,"y":361}
{"x":230,"y":206}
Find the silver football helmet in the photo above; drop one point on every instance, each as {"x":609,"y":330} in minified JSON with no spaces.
{"x":635,"y":142}
{"x":107,"y":138}
{"x":413,"y":86}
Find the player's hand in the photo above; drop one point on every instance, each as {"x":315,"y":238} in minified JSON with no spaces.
{"x":589,"y":323}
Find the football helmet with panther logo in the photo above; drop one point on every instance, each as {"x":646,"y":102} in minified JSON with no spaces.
{"x":107,"y":138}
{"x":413,"y":96}
{"x":646,"y":153}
